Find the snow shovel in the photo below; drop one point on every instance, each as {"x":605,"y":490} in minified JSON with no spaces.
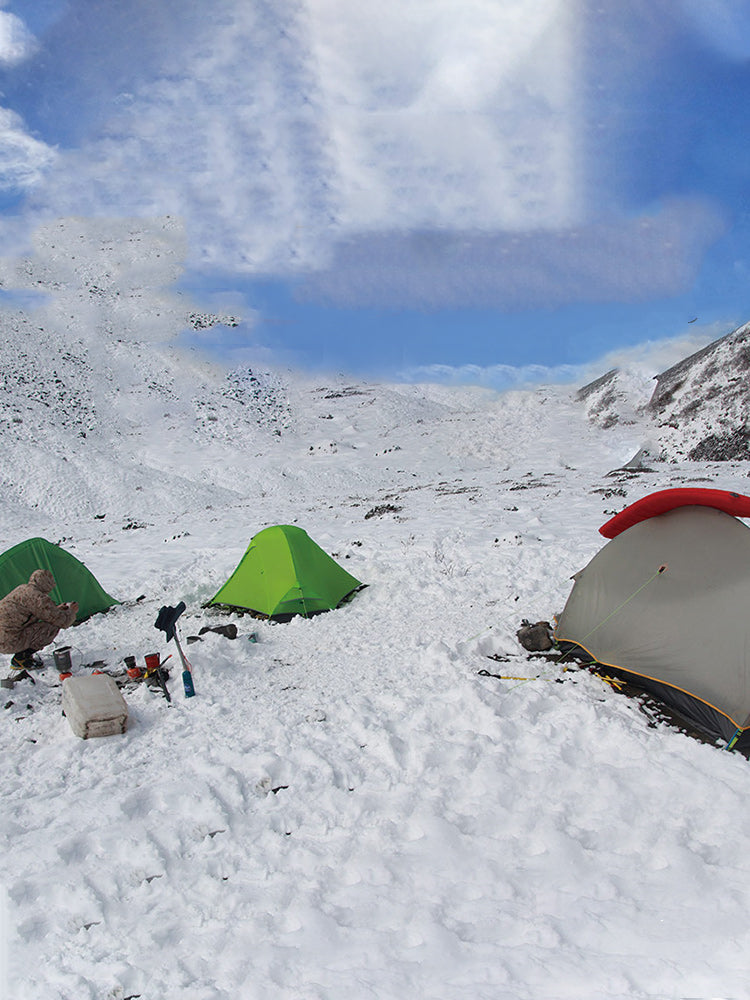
{"x":165,"y":621}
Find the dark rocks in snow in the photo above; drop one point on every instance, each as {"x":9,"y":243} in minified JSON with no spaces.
{"x":42,"y":393}
{"x":262,"y":394}
{"x":204,"y":321}
{"x":381,"y":509}
{"x":734,"y":446}
{"x":348,"y":390}
{"x":536,"y":638}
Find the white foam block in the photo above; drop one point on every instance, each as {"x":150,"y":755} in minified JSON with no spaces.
{"x":94,"y":706}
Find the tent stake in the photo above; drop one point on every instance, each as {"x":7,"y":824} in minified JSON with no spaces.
{"x":731,"y":743}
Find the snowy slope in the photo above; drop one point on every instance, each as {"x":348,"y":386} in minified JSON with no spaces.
{"x":349,"y":808}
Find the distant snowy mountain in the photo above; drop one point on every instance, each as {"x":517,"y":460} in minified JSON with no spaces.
{"x":701,"y":405}
{"x":697,"y":411}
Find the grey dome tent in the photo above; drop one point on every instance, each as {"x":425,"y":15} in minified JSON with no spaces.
{"x":667,"y":603}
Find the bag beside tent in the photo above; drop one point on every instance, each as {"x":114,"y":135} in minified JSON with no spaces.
{"x":73,"y":581}
{"x":666,"y":601}
{"x":285,"y":573}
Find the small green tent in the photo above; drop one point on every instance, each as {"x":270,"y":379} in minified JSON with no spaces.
{"x":73,"y":582}
{"x":284,"y":573}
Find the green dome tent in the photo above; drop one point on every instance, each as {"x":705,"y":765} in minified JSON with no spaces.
{"x":73,"y":582}
{"x":284,"y":573}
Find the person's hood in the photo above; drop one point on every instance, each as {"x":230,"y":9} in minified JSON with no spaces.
{"x":43,"y":580}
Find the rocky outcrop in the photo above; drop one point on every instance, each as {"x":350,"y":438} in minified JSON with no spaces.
{"x":699,"y":409}
{"x":616,"y":398}
{"x":700,"y":406}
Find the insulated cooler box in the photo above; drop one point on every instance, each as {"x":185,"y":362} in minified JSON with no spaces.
{"x":94,"y":706}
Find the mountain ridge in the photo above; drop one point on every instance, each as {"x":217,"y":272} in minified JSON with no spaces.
{"x":697,"y":411}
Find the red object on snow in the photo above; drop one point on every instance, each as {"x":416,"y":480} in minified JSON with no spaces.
{"x":663,"y":500}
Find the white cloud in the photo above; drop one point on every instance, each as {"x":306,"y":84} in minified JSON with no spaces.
{"x":23,"y":159}
{"x":280,"y":130}
{"x":651,"y":357}
{"x":429,"y":152}
{"x":447,"y":114}
{"x":16,"y":42}
{"x":498,"y":377}
{"x":641,"y":361}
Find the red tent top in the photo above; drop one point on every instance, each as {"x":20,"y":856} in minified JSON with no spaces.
{"x":664,"y":500}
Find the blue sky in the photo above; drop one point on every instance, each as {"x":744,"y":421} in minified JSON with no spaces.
{"x":410,"y":188}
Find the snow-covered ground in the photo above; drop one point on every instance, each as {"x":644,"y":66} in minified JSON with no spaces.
{"x":349,"y":809}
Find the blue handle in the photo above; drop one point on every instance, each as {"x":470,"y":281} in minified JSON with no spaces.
{"x":187,"y":683}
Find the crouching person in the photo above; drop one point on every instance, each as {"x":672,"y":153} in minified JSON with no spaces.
{"x":30,"y":619}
